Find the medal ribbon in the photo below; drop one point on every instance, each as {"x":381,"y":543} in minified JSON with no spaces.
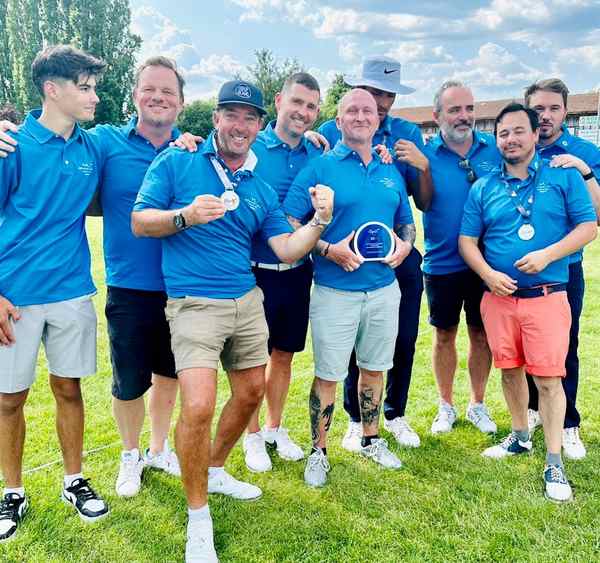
{"x":512,"y":194}
{"x":227,"y":183}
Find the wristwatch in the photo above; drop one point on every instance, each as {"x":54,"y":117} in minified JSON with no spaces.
{"x":588,"y":176}
{"x":316,"y":221}
{"x":179,"y":221}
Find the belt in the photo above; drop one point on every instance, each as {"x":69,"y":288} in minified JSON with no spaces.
{"x":539,"y":291}
{"x":282,"y":267}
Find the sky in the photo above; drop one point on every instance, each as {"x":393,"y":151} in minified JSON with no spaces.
{"x":497,"y":47}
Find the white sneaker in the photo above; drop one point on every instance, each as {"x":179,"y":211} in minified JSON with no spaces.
{"x":511,"y":445}
{"x":379,"y":452}
{"x":351,"y":440}
{"x":444,"y":420}
{"x":556,"y":484}
{"x":255,"y":453}
{"x":129,"y":480}
{"x":225,"y":484}
{"x":534,"y":420}
{"x":286,"y":449}
{"x":478,"y":414}
{"x":404,"y":434}
{"x":163,"y":461}
{"x":573,"y":447}
{"x":317,"y":467}
{"x":200,"y":547}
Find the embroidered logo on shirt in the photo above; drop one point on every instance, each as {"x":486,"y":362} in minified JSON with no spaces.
{"x":542,"y":187}
{"x":388,"y":182}
{"x":486,"y":166}
{"x":252,"y":203}
{"x":87,"y":168}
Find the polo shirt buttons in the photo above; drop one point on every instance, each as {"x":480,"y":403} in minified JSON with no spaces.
{"x":66,"y":162}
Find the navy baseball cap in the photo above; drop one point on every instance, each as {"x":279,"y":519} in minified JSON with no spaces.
{"x":241,"y":92}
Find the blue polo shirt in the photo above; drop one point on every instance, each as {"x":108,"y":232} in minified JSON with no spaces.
{"x":389,"y":132}
{"x":376,"y":192}
{"x":441,"y":222}
{"x":211,"y":260}
{"x":586,"y":151}
{"x":278,"y":164}
{"x":130,"y":262}
{"x":561,"y":200}
{"x":44,"y":193}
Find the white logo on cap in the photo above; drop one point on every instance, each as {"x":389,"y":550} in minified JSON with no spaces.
{"x":243,"y":91}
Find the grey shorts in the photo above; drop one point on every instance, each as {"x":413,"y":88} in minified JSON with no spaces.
{"x":68,"y":331}
{"x":343,"y":320}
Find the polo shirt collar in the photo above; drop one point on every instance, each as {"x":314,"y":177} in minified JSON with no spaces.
{"x":532,"y":168}
{"x":42,"y":134}
{"x":438,"y":141}
{"x":342,"y":151}
{"x":563,"y":141}
{"x":385,"y":128}
{"x":130,"y":128}
{"x":272,"y":140}
{"x":209,"y":148}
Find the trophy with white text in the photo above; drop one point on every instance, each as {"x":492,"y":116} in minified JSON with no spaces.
{"x":373,"y":241}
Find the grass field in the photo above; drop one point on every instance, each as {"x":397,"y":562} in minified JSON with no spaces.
{"x":446,"y":504}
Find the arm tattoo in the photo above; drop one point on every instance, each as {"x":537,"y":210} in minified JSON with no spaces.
{"x":407,"y":233}
{"x":369,"y":409}
{"x":317,"y":415}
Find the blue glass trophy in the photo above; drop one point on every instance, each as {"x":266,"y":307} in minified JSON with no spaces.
{"x":373,"y":242}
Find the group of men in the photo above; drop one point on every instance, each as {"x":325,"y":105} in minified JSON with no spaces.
{"x":206,"y":249}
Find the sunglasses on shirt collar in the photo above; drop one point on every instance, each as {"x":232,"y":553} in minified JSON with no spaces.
{"x":465,"y":165}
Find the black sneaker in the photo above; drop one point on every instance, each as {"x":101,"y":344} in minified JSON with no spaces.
{"x":12,"y":509}
{"x":86,"y":501}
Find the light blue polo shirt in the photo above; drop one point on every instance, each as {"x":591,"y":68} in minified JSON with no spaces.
{"x":586,"y":151}
{"x":44,"y":193}
{"x":441,"y":222}
{"x":561,"y":201}
{"x":389,"y":132}
{"x":211,"y":260}
{"x":376,"y":192}
{"x":278,"y":164}
{"x":130,"y":262}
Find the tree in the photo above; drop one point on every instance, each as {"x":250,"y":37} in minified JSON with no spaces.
{"x":269,"y":75}
{"x":196,"y":117}
{"x":100,"y":27}
{"x":334,"y":94}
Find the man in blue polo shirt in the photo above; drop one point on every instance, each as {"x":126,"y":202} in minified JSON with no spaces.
{"x":355,"y":305}
{"x":380,"y":76}
{"x":549,"y":99}
{"x":530,"y":218}
{"x":458,"y":155}
{"x":45,"y":280}
{"x":207,"y":207}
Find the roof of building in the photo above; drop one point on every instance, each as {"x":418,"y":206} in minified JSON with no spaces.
{"x":579,"y":104}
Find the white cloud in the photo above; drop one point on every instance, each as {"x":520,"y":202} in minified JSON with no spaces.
{"x":295,"y":11}
{"x":588,"y":55}
{"x":414,"y":52}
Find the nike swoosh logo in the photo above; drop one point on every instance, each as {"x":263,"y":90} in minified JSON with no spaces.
{"x":386,"y":71}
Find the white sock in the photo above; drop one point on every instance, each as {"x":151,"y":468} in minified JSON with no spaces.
{"x":17,"y":490}
{"x":215,"y":471}
{"x":133,"y":452}
{"x":195,"y":514}
{"x":68,"y":479}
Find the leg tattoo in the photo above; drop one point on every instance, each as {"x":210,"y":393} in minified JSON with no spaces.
{"x":318,"y":415}
{"x":369,"y":405}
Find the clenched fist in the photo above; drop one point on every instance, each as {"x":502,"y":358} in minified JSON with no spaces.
{"x":322,"y":201}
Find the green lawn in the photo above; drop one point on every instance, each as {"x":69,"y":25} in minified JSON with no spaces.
{"x":447,"y":504}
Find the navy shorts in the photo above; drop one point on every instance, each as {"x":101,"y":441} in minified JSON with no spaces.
{"x":448,"y":294}
{"x":140,"y":341}
{"x":287,"y":299}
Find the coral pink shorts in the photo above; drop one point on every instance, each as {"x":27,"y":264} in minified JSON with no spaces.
{"x":528,"y":332}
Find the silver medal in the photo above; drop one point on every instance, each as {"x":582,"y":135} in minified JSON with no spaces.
{"x":230,"y":200}
{"x":526,"y":231}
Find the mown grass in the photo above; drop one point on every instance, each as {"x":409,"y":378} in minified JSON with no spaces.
{"x":447,"y":504}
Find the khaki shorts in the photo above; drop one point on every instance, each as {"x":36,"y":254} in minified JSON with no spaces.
{"x":68,"y":331}
{"x":205,"y":330}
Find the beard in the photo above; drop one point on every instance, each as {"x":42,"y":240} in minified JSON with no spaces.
{"x":455,"y":136}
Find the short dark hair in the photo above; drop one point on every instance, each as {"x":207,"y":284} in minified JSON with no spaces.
{"x":514,"y":107}
{"x":555,"y":85}
{"x":63,"y":62}
{"x":165,"y":62}
{"x":10,"y":113}
{"x":303,"y":78}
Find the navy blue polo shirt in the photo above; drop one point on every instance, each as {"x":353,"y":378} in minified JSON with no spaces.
{"x":278,"y":164}
{"x":561,"y":201}
{"x":44,"y":193}
{"x":130,"y":262}
{"x":389,"y":132}
{"x":586,"y":151}
{"x":441,"y":222}
{"x":211,"y":260}
{"x":375,"y":192}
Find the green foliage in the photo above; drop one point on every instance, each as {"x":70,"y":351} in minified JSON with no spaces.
{"x":196,"y":118}
{"x":100,"y":27}
{"x":335,"y":92}
{"x":269,"y":75}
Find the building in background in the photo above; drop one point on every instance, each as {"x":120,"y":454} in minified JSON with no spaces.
{"x":582,"y":118}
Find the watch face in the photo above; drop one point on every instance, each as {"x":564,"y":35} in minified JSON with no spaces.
{"x":179,"y":222}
